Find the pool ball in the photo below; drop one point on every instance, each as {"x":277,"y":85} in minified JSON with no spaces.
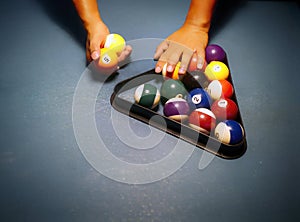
{"x":199,"y":98}
{"x":171,"y":75}
{"x":177,"y":109}
{"x":225,"y":109}
{"x":172,"y":88}
{"x":220,"y":89}
{"x":214,"y":52}
{"x":147,"y":95}
{"x":115,"y":42}
{"x":202,"y":120}
{"x":216,"y":70}
{"x":108,"y":61}
{"x":195,"y":79}
{"x":229,"y":132}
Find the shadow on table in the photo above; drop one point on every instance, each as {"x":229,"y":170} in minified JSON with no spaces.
{"x":224,"y":12}
{"x":63,"y":13}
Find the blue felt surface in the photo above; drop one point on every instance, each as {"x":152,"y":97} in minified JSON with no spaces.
{"x":45,"y":177}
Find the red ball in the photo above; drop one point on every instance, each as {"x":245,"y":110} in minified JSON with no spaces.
{"x":225,"y":109}
{"x":203,"y":120}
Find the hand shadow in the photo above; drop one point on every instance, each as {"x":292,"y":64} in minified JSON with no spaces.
{"x":64,"y":14}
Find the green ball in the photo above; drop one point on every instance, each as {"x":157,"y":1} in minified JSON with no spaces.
{"x":172,"y":88}
{"x":147,"y":95}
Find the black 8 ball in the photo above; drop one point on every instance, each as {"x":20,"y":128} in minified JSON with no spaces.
{"x":195,"y":79}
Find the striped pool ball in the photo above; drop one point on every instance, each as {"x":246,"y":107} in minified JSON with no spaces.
{"x":229,"y":132}
{"x":220,"y":89}
{"x":172,"y":75}
{"x":147,"y":95}
{"x":202,"y":120}
{"x":199,"y":98}
{"x":225,"y":109}
{"x":216,"y":70}
{"x":177,"y":109}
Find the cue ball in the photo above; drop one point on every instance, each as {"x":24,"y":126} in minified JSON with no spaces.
{"x":199,"y":98}
{"x":216,"y":70}
{"x":214,"y":52}
{"x":171,"y":75}
{"x":177,"y":109}
{"x":229,"y":132}
{"x":224,"y":109}
{"x":172,"y":88}
{"x":147,"y":95}
{"x":220,"y":89}
{"x":202,"y":120}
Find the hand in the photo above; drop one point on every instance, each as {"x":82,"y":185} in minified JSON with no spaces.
{"x":186,"y":45}
{"x":96,"y":37}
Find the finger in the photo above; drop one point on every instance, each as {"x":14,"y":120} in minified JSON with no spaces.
{"x":201,"y":60}
{"x":94,"y":48}
{"x":159,"y":66}
{"x":125,"y":53}
{"x":161,"y":49}
{"x":193,"y":62}
{"x":185,"y":60}
{"x":173,"y":57}
{"x":87,"y":52}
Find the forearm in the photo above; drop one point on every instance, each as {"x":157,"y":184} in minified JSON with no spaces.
{"x":200,"y":13}
{"x":88,"y":12}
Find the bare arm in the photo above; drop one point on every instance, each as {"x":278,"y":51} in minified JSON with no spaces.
{"x":189,"y":41}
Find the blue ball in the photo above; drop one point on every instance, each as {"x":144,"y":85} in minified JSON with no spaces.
{"x":230,"y":132}
{"x":199,"y":98}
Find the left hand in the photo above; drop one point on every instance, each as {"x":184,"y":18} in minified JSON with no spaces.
{"x":186,"y":45}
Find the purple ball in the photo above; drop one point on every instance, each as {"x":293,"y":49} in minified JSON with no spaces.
{"x":177,"y":109}
{"x":214,"y":52}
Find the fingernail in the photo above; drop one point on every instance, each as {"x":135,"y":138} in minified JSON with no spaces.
{"x":170,"y":68}
{"x":182,"y":70}
{"x":200,"y":63}
{"x":95,"y":55}
{"x":158,"y":69}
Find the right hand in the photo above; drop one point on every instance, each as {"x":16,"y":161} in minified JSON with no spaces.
{"x":96,"y":36}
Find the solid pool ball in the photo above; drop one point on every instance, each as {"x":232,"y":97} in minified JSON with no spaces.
{"x":225,"y":109}
{"x":195,"y":79}
{"x":202,"y":120}
{"x":171,"y":75}
{"x":177,"y":109}
{"x":220,"y":89}
{"x":214,"y":52}
{"x":172,"y":88}
{"x":108,"y":61}
{"x":115,"y":42}
{"x":147,"y":95}
{"x":229,"y":132}
{"x":216,"y":70}
{"x":199,"y":98}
